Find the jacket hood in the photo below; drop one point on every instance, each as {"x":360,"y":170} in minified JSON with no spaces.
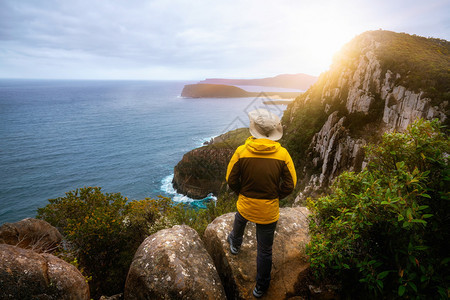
{"x":262,"y":146}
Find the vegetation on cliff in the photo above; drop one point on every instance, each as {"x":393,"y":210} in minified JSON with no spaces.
{"x":384,"y":232}
{"x":423,"y":63}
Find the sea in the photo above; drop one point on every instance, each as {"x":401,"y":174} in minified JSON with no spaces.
{"x":123,"y":136}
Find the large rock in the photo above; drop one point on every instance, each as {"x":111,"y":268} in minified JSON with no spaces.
{"x":29,"y":233}
{"x":238,"y":272}
{"x":25,"y":274}
{"x":173,"y":264}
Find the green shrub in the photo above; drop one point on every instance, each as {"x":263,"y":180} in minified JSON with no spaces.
{"x":92,"y":224}
{"x":103,"y":231}
{"x":384,"y":232}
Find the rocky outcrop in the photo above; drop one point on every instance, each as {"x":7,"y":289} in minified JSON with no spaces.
{"x":238,"y":272}
{"x":29,"y":233}
{"x":25,"y":274}
{"x":202,"y":171}
{"x":360,"y":99}
{"x":173,"y":264}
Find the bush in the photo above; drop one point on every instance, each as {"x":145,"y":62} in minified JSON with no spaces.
{"x":103,"y":231}
{"x":384,"y":232}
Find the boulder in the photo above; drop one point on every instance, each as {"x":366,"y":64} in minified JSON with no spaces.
{"x":29,"y":233}
{"x":173,"y":264}
{"x":25,"y":274}
{"x":289,"y":262}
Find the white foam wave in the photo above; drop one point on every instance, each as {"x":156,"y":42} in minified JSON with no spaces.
{"x":200,"y":142}
{"x":167,"y":187}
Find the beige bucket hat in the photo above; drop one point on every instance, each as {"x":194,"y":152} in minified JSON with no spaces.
{"x":265,"y":125}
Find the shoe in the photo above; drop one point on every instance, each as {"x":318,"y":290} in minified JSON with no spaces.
{"x":258,"y":292}
{"x":233,"y":249}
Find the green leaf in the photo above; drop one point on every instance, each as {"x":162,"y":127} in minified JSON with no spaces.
{"x":409,"y":213}
{"x":383,"y":274}
{"x":420,"y":248}
{"x":426,"y":216}
{"x":419,"y":221}
{"x":413,"y":286}
{"x":380,"y":284}
{"x":401,"y":290}
{"x":426,"y":196}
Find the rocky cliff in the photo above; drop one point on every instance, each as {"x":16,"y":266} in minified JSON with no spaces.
{"x":380,"y":81}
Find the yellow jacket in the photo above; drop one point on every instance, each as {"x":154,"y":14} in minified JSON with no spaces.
{"x":261,"y":171}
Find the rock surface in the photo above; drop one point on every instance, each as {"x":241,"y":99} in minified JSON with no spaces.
{"x":173,"y":264}
{"x":25,"y":274}
{"x":238,"y":272}
{"x":201,"y":171}
{"x":29,"y":233}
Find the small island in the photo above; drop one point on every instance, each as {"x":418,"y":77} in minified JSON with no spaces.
{"x":285,"y":86}
{"x":206,"y":90}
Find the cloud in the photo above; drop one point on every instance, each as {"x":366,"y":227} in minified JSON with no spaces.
{"x":193,"y":39}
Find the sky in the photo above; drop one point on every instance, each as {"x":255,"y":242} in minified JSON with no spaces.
{"x":195,"y":39}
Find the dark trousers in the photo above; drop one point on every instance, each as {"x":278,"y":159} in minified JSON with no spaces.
{"x":264,"y":238}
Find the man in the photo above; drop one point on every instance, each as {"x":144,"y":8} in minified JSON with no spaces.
{"x":261,"y":172}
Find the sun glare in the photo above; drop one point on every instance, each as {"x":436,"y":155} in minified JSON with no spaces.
{"x":322,"y":32}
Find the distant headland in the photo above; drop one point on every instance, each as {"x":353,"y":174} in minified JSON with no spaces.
{"x":228,"y":88}
{"x":289,"y":81}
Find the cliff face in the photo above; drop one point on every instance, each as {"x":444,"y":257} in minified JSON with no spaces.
{"x":380,"y":81}
{"x":358,"y":99}
{"x":201,"y":171}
